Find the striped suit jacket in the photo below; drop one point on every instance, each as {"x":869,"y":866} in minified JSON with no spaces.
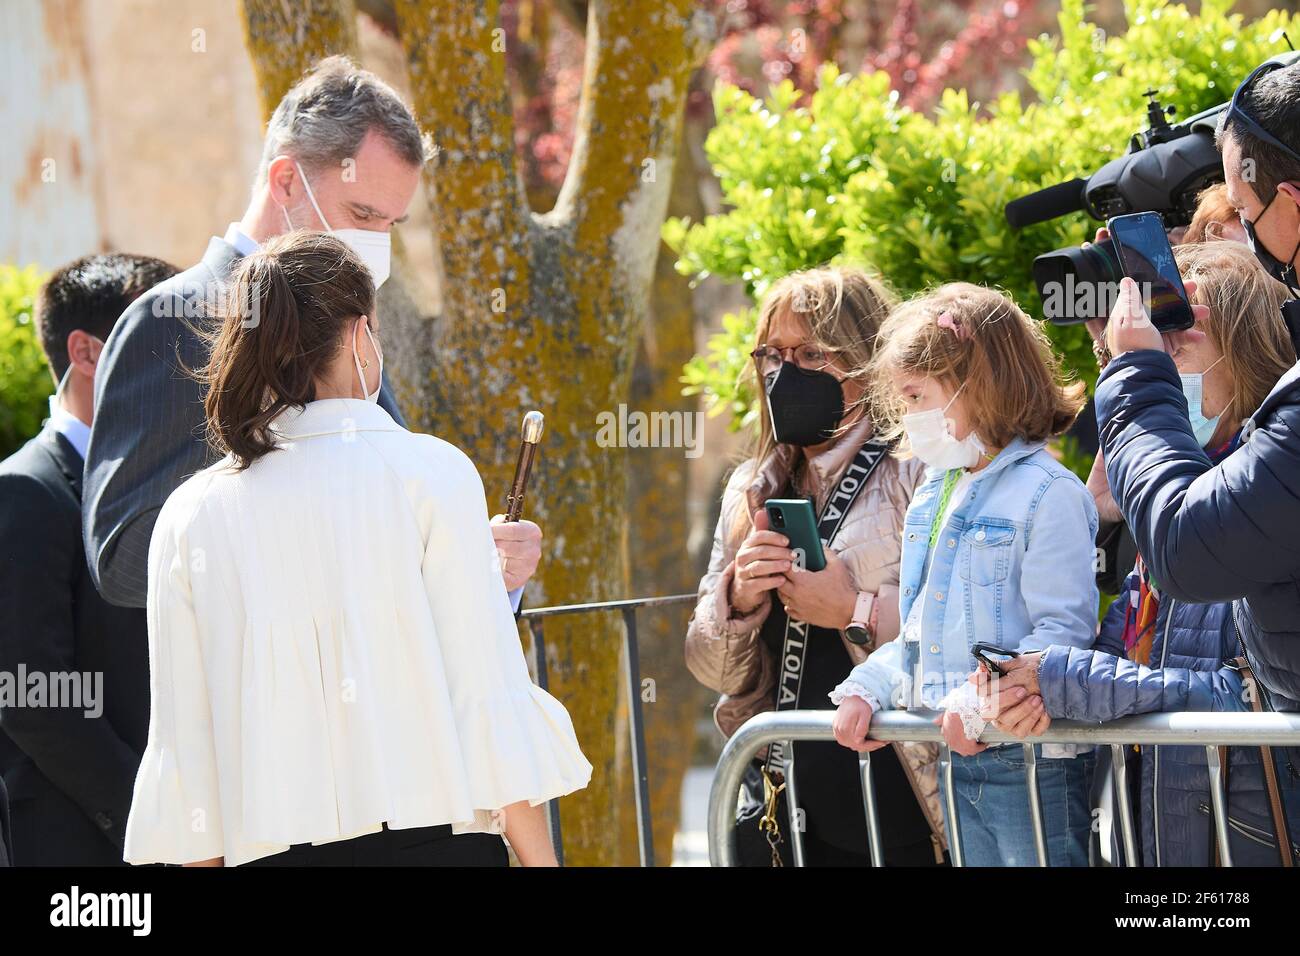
{"x":148,"y":431}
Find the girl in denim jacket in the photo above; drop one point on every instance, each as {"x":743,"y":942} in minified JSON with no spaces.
{"x":998,"y":547}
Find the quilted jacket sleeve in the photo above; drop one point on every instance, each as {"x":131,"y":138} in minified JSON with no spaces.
{"x":1207,"y":533}
{"x":722,"y":648}
{"x":1080,"y":684}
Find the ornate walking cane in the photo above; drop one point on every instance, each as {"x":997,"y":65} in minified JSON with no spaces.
{"x":531,"y":436}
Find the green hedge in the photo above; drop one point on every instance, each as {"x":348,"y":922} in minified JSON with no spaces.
{"x":853,"y":177}
{"x":25,"y":383}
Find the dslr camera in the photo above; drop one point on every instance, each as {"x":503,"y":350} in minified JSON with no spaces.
{"x":1164,"y":169}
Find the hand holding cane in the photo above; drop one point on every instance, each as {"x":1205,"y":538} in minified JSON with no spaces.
{"x":531,"y":436}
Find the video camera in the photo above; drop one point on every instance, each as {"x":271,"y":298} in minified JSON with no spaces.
{"x":1165,"y":168}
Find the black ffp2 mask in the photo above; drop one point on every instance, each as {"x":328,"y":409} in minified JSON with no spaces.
{"x":806,"y":407}
{"x":1284,"y":272}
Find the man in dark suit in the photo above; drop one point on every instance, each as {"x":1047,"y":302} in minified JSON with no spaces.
{"x":75,"y":714}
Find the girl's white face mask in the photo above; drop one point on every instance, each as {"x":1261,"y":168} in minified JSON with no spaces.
{"x":356,"y":358}
{"x":931,"y":439}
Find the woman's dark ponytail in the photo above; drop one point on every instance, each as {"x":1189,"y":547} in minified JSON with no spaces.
{"x":283,"y":319}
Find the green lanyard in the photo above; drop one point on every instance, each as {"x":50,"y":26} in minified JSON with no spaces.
{"x":950,"y":479}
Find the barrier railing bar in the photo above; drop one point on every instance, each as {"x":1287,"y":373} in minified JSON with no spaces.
{"x":1035,"y":804}
{"x":670,"y":599}
{"x":792,"y":806}
{"x":873,"y":814}
{"x":644,"y":831}
{"x":953,"y":830}
{"x":1127,"y":830}
{"x":1219,"y":800}
{"x":1183,"y":729}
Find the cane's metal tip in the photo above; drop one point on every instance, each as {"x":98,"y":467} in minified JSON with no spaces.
{"x":533,"y":424}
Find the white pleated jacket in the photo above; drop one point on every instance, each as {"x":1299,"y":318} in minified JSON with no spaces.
{"x":331,"y":648}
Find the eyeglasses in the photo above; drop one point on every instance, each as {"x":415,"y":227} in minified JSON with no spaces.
{"x":808,"y":357}
{"x":1236,"y":111}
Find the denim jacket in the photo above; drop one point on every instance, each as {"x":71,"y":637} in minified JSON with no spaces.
{"x":1013,"y":566}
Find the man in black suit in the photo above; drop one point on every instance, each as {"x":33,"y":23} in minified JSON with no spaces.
{"x":74,"y":669}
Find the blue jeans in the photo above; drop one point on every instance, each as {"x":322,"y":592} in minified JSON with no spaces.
{"x":993,"y":807}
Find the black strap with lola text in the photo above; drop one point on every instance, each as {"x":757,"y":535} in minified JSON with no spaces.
{"x":794,"y":645}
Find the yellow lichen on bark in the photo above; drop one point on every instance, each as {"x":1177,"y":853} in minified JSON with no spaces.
{"x":285,"y":40}
{"x":658,"y":557}
{"x":457,"y":70}
{"x":639,"y":62}
{"x":543,"y":311}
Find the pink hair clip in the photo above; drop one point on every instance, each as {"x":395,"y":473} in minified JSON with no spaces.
{"x":946,"y":321}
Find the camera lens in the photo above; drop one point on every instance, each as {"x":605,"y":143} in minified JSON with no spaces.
{"x":1077,"y":282}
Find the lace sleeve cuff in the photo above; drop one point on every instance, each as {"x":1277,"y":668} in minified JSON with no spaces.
{"x":851,"y":688}
{"x":964,"y":701}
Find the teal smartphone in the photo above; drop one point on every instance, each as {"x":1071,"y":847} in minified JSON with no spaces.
{"x":793,"y":517}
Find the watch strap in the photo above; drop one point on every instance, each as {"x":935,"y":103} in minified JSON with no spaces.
{"x":862,"y":610}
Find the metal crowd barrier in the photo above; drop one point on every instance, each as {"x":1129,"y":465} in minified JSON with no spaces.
{"x":534,"y":618}
{"x":1208,"y":730}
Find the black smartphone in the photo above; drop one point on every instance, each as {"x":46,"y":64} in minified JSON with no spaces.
{"x":1147,"y":258}
{"x":992,"y":656}
{"x":793,"y":517}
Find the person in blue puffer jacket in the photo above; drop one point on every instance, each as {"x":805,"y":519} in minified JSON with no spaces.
{"x":1158,"y":653}
{"x":1225,"y":532}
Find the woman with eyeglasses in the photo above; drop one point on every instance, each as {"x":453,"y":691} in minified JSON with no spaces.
{"x":768,"y":633}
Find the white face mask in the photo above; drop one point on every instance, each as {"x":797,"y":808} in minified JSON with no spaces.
{"x":356,"y":359}
{"x":932,"y":442}
{"x":1193,"y":386}
{"x":375,"y":248}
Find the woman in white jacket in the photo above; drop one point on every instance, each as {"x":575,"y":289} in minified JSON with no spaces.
{"x":336,"y":674}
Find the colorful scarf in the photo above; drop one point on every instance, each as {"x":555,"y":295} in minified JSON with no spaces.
{"x":1140,"y":616}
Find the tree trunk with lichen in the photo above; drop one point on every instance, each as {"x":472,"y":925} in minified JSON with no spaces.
{"x":545,"y":311}
{"x":285,"y":40}
{"x":658,"y":504}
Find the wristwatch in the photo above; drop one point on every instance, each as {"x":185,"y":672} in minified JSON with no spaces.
{"x":859,"y":629}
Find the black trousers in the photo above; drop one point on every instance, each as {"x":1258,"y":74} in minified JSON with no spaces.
{"x":419,"y":846}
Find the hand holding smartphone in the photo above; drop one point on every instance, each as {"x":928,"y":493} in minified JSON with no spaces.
{"x":793,"y":517}
{"x":1147,"y":258}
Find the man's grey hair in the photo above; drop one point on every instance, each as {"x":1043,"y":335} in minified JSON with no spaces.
{"x":322,"y":120}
